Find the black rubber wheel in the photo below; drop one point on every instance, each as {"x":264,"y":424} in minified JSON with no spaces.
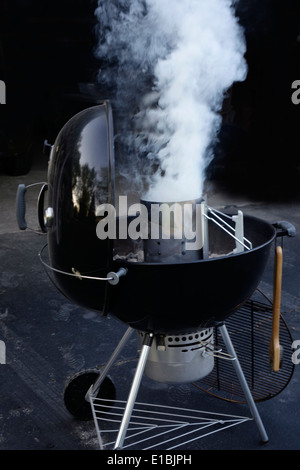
{"x":76,"y":389}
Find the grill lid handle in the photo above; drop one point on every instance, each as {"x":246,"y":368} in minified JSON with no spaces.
{"x":21,"y":207}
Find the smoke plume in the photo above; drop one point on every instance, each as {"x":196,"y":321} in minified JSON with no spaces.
{"x":168,"y":65}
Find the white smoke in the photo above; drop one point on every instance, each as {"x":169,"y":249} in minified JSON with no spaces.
{"x":170,"y":64}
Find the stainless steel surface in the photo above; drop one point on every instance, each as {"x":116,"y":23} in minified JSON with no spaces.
{"x":134,"y":390}
{"x":175,"y":231}
{"x":244,"y":384}
{"x":180,"y":358}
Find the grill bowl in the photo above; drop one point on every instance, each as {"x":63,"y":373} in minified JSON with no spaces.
{"x":167,"y":298}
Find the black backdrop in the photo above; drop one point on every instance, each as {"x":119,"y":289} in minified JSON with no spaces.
{"x":47,"y":48}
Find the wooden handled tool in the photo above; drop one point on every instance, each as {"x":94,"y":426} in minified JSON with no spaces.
{"x":275,"y":348}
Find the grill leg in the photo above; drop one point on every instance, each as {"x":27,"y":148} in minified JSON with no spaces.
{"x":243,"y":382}
{"x":94,"y":389}
{"x":134,"y":391}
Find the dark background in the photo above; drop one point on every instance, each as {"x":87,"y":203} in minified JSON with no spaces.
{"x":47,"y":49}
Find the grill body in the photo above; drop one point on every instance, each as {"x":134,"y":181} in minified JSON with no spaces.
{"x":167,"y":298}
{"x":187,"y":296}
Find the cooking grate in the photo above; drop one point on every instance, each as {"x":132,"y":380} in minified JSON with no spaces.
{"x":250,"y":329}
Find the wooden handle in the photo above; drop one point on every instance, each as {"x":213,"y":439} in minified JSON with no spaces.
{"x":275,"y":344}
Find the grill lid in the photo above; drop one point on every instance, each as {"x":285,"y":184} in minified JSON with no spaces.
{"x":80,"y":179}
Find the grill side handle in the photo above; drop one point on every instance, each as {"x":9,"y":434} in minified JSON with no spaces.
{"x":284,"y":228}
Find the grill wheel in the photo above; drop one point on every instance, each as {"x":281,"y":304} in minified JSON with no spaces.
{"x":75,"y":391}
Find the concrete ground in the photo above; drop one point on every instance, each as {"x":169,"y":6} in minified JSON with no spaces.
{"x":48,"y":339}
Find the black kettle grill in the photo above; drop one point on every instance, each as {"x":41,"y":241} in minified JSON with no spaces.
{"x":172,"y":302}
